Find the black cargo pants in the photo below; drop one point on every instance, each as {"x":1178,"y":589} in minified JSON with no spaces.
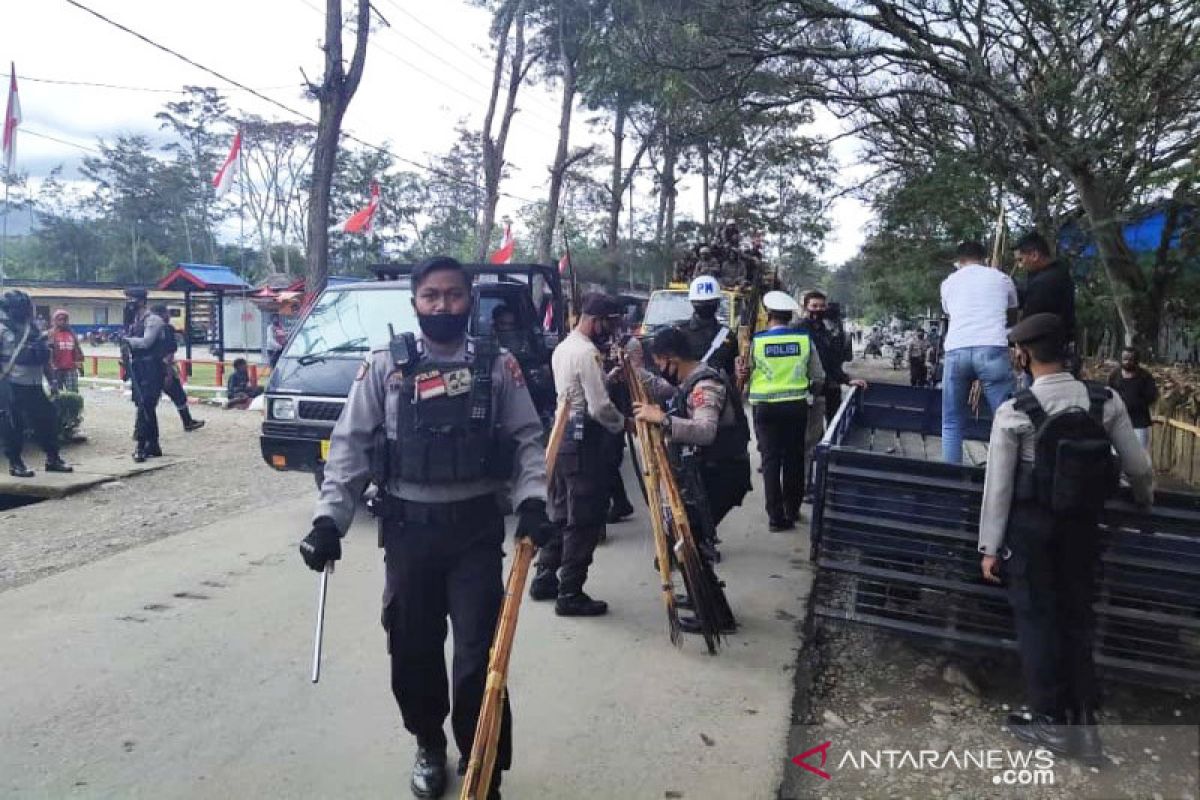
{"x":780,"y":429}
{"x":444,"y":561}
{"x":30,"y":408}
{"x":147,"y":385}
{"x":1051,"y":583}
{"x":578,"y":505}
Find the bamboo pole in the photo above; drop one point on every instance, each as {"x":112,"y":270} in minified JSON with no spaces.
{"x":491,"y":711}
{"x":652,"y":480}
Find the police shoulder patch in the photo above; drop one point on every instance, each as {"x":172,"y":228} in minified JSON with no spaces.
{"x":698,"y":398}
{"x":514,"y":369}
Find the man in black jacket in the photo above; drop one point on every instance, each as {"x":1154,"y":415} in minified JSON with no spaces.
{"x":833,"y":348}
{"x":1049,"y":288}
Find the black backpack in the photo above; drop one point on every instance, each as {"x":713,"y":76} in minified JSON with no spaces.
{"x":1074,"y":468}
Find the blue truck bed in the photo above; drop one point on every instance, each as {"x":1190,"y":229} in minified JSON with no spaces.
{"x":895,"y":532}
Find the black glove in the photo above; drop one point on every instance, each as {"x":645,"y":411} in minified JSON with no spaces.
{"x":321,"y":545}
{"x":533,"y":523}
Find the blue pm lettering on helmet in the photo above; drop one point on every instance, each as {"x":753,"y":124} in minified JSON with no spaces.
{"x":782,"y":350}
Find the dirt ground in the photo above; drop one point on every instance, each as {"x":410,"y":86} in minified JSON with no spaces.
{"x":220,"y":470}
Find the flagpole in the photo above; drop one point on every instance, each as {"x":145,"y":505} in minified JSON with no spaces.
{"x":241,"y":179}
{"x":4,"y":236}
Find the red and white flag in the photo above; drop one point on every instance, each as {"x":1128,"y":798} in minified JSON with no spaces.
{"x":363,"y":221}
{"x":12,"y":118}
{"x":505,"y":253}
{"x":223,"y":180}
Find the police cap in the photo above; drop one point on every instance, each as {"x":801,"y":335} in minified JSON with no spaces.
{"x":598,"y":304}
{"x":1037,"y":326}
{"x":780,"y":301}
{"x":135,"y":293}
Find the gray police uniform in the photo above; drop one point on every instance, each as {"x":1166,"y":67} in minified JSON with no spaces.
{"x":24,"y":359}
{"x":705,"y":337}
{"x":147,"y":341}
{"x":1051,"y":559}
{"x":447,"y":433}
{"x":580,"y":486}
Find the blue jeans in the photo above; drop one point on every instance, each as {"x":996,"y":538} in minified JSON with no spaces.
{"x":991,"y":367}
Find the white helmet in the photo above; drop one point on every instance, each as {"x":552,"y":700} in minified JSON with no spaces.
{"x":780,"y":301}
{"x":704,"y":288}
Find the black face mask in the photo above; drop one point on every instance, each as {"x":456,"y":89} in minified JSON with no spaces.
{"x":816,"y":315}
{"x":443,"y":327}
{"x":705,"y":310}
{"x":670,"y":373}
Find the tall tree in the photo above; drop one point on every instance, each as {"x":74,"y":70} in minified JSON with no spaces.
{"x":510,"y":19}
{"x":334,"y":94}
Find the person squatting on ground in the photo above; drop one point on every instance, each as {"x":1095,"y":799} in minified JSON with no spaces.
{"x":24,"y":361}
{"x":1050,"y":469}
{"x":145,"y":340}
{"x":977,"y":298}
{"x":240,"y":390}
{"x":172,"y":379}
{"x":66,"y":356}
{"x":579,"y":488}
{"x":443,"y":423}
{"x":784,"y":373}
{"x":706,"y":431}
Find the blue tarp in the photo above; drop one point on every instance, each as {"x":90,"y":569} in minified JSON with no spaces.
{"x":1142,"y":235}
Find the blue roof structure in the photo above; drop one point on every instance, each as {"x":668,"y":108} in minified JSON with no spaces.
{"x":203,"y":277}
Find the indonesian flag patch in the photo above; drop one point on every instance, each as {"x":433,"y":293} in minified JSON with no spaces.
{"x":430,"y":385}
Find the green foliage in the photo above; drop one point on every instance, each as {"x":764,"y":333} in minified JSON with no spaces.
{"x":69,"y":406}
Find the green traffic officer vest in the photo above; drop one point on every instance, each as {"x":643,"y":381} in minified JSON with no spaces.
{"x":780,"y":366}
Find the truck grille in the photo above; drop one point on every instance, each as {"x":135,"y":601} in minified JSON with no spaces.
{"x":327,"y":412}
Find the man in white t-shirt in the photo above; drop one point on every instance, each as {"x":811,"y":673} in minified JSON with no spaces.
{"x":977,"y":298}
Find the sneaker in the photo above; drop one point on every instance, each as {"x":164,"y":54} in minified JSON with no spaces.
{"x":579,"y":605}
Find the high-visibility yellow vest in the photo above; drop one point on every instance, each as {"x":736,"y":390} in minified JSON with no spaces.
{"x":780,"y":366}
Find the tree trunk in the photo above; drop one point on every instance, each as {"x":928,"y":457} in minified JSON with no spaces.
{"x":558,"y":172}
{"x":706,"y":168}
{"x":1128,"y":285}
{"x":616,"y":192}
{"x":493,"y":148}
{"x":334,"y":94}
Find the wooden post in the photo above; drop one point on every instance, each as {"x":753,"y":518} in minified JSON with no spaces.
{"x":220,"y":373}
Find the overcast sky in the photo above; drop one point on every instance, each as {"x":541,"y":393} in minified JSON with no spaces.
{"x":425,"y":72}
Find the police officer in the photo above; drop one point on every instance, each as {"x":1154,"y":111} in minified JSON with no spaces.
{"x":442,"y":423}
{"x":711,"y":341}
{"x":146,"y":341}
{"x":784,"y":373}
{"x":705,"y":425}
{"x":1047,"y":554}
{"x":580,"y":485}
{"x":24,"y":360}
{"x":172,"y":382}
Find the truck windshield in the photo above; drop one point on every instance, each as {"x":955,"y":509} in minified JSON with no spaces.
{"x":671,"y":308}
{"x":348,"y":323}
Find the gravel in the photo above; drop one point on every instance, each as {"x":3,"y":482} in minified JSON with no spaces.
{"x":219,"y":470}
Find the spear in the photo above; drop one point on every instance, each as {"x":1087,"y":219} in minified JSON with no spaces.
{"x":487,"y":730}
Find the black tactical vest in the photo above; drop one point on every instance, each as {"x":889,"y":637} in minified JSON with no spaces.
{"x":154,"y":352}
{"x":732,"y":435}
{"x":440,"y":421}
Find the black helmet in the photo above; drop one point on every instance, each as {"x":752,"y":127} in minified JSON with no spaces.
{"x":18,"y":306}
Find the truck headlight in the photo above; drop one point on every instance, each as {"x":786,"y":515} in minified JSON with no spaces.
{"x":283,"y":408}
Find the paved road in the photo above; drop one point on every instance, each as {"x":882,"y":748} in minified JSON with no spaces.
{"x":180,"y":669}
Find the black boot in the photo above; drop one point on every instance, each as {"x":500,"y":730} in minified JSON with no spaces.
{"x":1043,"y":730}
{"x":55,"y":463}
{"x":429,"y":773}
{"x":17,"y":468}
{"x":578,"y":604}
{"x":544,"y":585}
{"x":619,"y":512}
{"x":190,"y":424}
{"x":1087,"y":744}
{"x":139,"y":455}
{"x":153,"y":450}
